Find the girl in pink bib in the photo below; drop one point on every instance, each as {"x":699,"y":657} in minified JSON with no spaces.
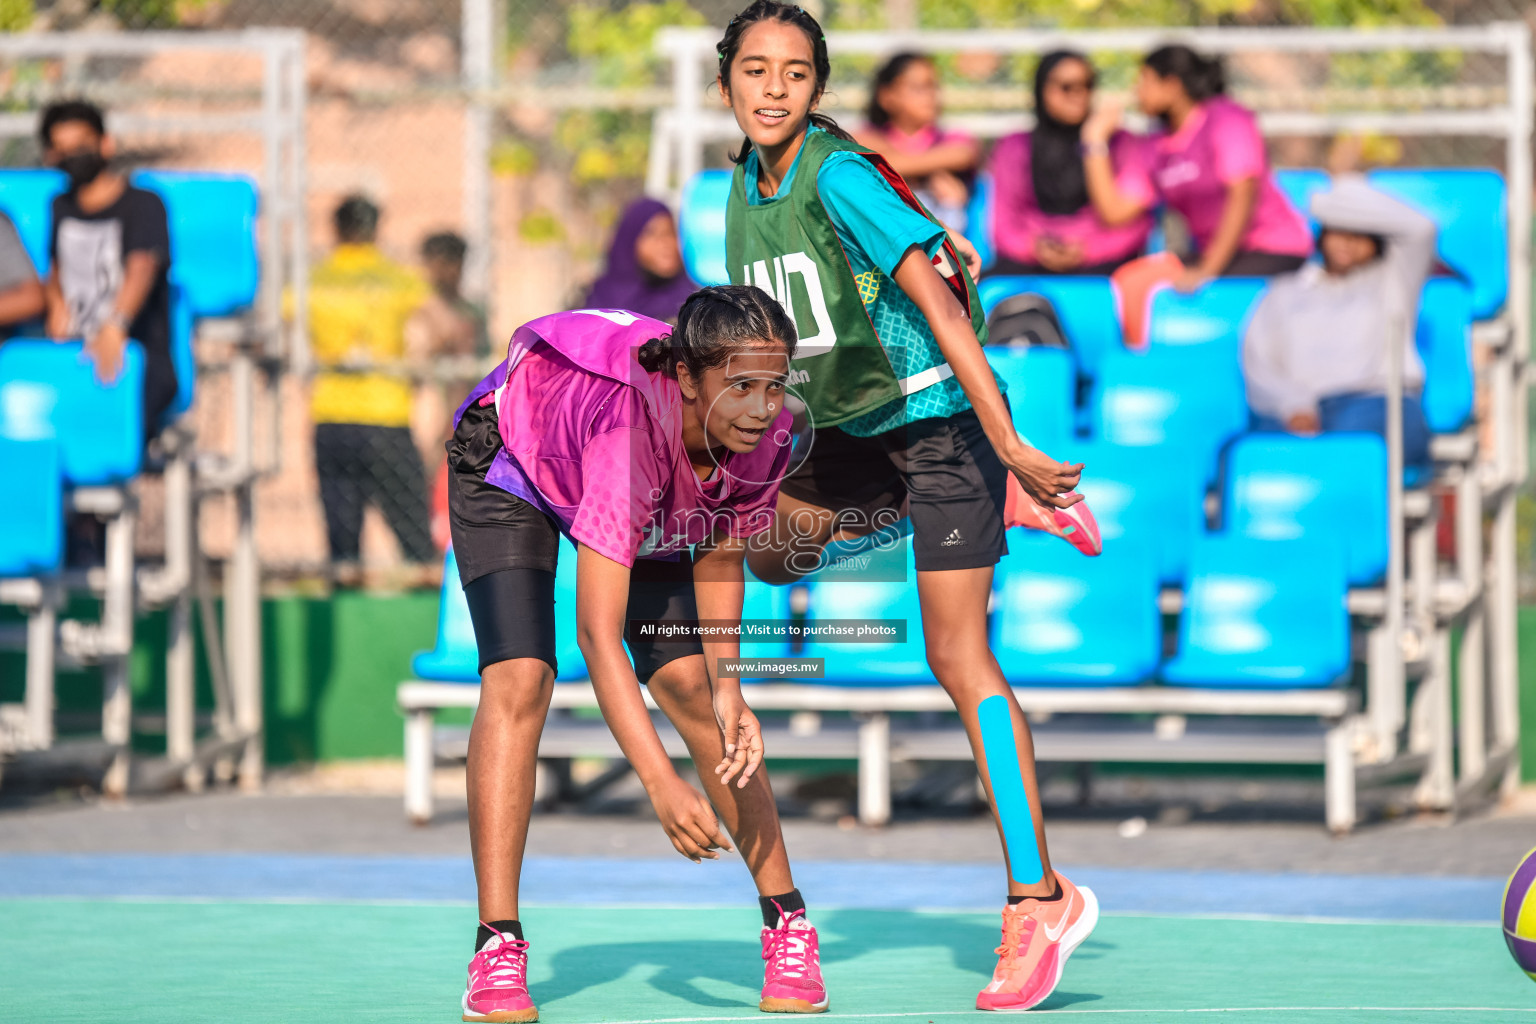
{"x":658,"y":452}
{"x":1209,"y":166}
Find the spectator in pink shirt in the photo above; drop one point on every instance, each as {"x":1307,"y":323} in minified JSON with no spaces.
{"x":903,"y":118}
{"x":1043,"y":219}
{"x":1209,"y":166}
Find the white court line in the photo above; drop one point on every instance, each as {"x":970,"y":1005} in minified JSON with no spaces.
{"x":1222,"y":1009}
{"x":321,"y":901}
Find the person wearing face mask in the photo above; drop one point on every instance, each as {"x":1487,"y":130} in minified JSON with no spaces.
{"x":111,"y":253}
{"x":1043,"y":220}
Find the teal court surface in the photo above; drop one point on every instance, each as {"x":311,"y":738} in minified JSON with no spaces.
{"x":237,"y":938}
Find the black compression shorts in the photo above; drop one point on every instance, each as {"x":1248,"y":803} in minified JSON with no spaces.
{"x":507,"y":551}
{"x":943,"y":472}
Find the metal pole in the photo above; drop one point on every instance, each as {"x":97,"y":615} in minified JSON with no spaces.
{"x":180,"y":527}
{"x":1504,"y":618}
{"x":1389,"y":697}
{"x":479,"y":78}
{"x":42,"y":641}
{"x":1472,"y":676}
{"x":270,"y":299}
{"x":297,"y":216}
{"x":687,"y":94}
{"x":117,"y":640}
{"x":242,"y":581}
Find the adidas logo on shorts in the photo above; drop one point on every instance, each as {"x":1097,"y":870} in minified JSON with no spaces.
{"x":954,"y":539}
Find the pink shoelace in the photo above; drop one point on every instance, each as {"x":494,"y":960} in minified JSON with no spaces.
{"x":506,"y":966}
{"x":788,"y":951}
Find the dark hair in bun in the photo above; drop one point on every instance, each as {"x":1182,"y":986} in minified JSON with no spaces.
{"x":716,"y":323}
{"x":1202,"y":77}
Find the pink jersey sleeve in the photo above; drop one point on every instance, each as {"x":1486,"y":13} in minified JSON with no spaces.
{"x":619,"y":477}
{"x":1236,"y":141}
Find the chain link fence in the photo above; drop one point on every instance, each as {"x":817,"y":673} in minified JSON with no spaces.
{"x":358,"y":443}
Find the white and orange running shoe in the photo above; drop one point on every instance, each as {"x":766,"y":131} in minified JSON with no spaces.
{"x":792,"y":972}
{"x":1037,"y":939}
{"x":497,"y":989}
{"x":1074,"y":525}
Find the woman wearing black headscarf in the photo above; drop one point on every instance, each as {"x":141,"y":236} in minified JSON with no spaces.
{"x":1043,"y":221}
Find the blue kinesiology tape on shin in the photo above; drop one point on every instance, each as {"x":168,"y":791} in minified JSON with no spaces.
{"x":1008,"y":792}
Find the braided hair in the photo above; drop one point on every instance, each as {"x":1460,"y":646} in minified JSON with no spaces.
{"x":789,"y":14}
{"x":716,"y":323}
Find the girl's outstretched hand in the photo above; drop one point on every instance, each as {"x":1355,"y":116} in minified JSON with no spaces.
{"x":1046,"y":480}
{"x":688,"y":820}
{"x":743,"y":737}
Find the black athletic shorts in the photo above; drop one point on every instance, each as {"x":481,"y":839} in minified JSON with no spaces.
{"x":507,"y":550}
{"x":943,"y":472}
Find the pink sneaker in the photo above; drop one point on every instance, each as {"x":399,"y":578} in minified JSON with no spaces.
{"x":792,"y":979}
{"x":497,"y":990}
{"x":1037,"y":939}
{"x":1074,"y":525}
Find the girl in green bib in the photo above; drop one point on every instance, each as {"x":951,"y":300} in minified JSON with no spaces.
{"x":908,"y":418}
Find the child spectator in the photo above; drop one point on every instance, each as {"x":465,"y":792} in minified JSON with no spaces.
{"x":1209,"y":165}
{"x":645,"y":272}
{"x":454,"y":326}
{"x":903,"y":117}
{"x":111,"y":252}
{"x":21,"y":294}
{"x":1043,"y":220}
{"x":1315,"y":355}
{"x":359,"y":304}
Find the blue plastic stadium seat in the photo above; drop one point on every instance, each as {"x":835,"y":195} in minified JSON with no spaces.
{"x":890,"y":593}
{"x":1444,"y":339}
{"x":1041,"y":383}
{"x":763,"y":602}
{"x":182,"y":356}
{"x":1262,"y":614}
{"x":455,"y":658}
{"x":1472,"y":209}
{"x":1062,"y":619}
{"x":1183,"y":397}
{"x":1300,"y":184}
{"x":1148,"y":498}
{"x":32,"y":514}
{"x":26,"y":196}
{"x":213,"y":237}
{"x":1085,"y":305}
{"x":50,"y":390}
{"x":978,"y":219}
{"x":701,"y":226}
{"x":1331,"y":490}
{"x":1216,"y":315}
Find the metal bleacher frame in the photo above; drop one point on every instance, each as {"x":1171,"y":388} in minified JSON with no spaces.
{"x":1400,"y":731}
{"x":256,"y":345}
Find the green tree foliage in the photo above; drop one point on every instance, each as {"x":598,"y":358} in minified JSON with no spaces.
{"x":870,"y":14}
{"x":16,"y":15}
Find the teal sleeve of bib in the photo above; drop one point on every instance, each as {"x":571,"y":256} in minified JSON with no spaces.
{"x":871,"y":220}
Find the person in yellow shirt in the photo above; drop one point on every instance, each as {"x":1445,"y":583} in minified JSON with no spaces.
{"x":360,"y":302}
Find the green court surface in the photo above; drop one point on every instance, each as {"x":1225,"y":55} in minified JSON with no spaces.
{"x":156,"y":961}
